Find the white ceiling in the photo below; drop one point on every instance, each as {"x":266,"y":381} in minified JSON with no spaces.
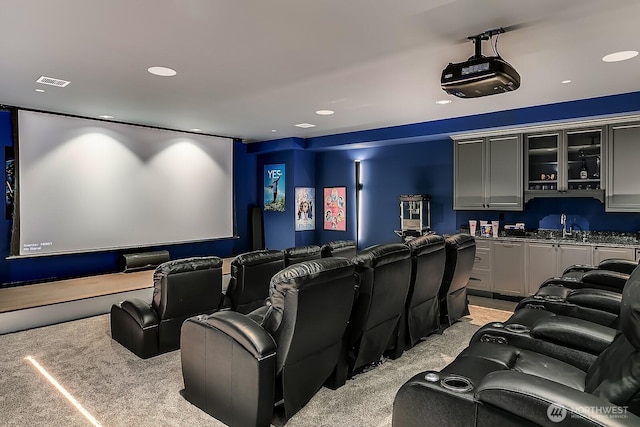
{"x":247,"y":67}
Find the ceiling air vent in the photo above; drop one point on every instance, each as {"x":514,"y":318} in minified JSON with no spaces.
{"x":52,"y":81}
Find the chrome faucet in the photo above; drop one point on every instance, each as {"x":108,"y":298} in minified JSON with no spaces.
{"x":563,"y":222}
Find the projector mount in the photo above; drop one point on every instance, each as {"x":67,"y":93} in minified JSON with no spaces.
{"x":486,"y":35}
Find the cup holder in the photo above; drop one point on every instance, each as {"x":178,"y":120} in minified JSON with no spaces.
{"x":497,"y":325}
{"x":553,"y":298}
{"x":456,"y":383}
{"x":519,"y":329}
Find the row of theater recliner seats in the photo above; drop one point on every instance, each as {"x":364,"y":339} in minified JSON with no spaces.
{"x":322,"y":320}
{"x":569,"y":355}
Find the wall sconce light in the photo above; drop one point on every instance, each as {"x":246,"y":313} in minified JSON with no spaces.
{"x":359,"y":186}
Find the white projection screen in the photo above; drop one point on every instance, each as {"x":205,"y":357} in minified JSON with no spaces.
{"x":89,"y":185}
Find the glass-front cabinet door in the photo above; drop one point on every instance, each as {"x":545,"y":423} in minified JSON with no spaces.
{"x":584,"y":160}
{"x":566,"y":163}
{"x":544,"y":154}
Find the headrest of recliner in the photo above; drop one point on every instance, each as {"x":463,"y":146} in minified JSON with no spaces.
{"x":629,"y":321}
{"x":296,"y":277}
{"x":382,"y":254}
{"x":259,"y":256}
{"x":337,"y":244}
{"x":303,"y":250}
{"x":425,"y":244}
{"x":460,"y":240}
{"x":184,"y":265}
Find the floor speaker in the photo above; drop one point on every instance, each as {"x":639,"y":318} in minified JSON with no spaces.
{"x":257,"y":232}
{"x":144,"y":260}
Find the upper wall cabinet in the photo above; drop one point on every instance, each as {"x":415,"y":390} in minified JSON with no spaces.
{"x":488,"y":173}
{"x":623,"y":173}
{"x":565,"y":163}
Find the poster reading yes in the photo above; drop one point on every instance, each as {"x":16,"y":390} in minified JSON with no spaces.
{"x":274,"y":188}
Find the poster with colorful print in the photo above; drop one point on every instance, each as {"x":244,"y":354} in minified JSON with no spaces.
{"x":335,"y":208}
{"x":305,"y":206}
{"x":274,"y":188}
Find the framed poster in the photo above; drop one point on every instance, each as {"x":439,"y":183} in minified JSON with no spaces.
{"x":335,"y":208}
{"x":305,"y":204}
{"x":274,"y":188}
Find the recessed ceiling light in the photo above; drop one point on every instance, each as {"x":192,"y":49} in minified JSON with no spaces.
{"x":564,"y":82}
{"x":195,"y":130}
{"x":273,"y":130}
{"x":40,"y":90}
{"x":162,"y":71}
{"x":443,"y":101}
{"x":52,"y":81}
{"x":105,"y":116}
{"x":620,"y":56}
{"x":305,"y":125}
{"x":324,"y":112}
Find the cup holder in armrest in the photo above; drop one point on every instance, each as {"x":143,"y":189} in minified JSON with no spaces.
{"x":519,"y":329}
{"x":456,"y":383}
{"x":497,"y":325}
{"x":553,"y":298}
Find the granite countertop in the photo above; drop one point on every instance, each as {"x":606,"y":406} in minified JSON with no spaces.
{"x":589,"y":238}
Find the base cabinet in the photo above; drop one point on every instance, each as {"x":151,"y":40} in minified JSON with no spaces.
{"x":508,"y":274}
{"x":480,"y":278}
{"x":600,"y":253}
{"x":541,"y":264}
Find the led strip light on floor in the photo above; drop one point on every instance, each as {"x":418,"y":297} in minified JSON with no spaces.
{"x":64,"y":392}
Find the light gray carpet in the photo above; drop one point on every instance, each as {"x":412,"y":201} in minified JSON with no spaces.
{"x":118,"y":389}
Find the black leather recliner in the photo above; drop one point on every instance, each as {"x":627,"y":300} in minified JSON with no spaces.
{"x":593,"y":279}
{"x":422,"y":309}
{"x":492,"y":384}
{"x":301,"y":253}
{"x":250,"y":276}
{"x":613,"y":264}
{"x":237,"y":367}
{"x":461,"y":252}
{"x":384,"y":274}
{"x":181,"y":289}
{"x":341,"y":248}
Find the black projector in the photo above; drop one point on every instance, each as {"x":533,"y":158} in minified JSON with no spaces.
{"x":479,"y":76}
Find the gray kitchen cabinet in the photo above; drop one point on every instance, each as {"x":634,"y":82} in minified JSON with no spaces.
{"x":541,"y":260}
{"x":547,"y":260}
{"x":600,"y":253}
{"x":488,"y":173}
{"x":623,"y":175}
{"x":480,"y":278}
{"x":508,"y":272}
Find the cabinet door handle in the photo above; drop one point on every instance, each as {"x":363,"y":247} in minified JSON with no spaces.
{"x":474,"y":279}
{"x":478,"y":258}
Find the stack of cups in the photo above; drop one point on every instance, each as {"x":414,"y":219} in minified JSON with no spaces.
{"x":494,"y":228}
{"x":472,"y":226}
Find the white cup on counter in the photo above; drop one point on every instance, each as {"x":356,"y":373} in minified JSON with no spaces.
{"x":494,"y":228}
{"x":472,"y":226}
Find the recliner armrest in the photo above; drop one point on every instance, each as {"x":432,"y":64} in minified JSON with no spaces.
{"x":598,"y":299}
{"x":239,"y":327}
{"x":579,"y":268}
{"x":574,"y":333}
{"x":530,"y":397}
{"x":140,"y":311}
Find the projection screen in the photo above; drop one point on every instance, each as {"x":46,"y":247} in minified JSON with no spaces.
{"x":89,"y":185}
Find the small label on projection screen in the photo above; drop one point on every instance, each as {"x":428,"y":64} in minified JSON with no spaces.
{"x":87,"y":185}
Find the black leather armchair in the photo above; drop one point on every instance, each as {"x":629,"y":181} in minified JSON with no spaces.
{"x":461,"y":252}
{"x":422,"y":309}
{"x":493,"y":384}
{"x":384,"y":274}
{"x":181,"y":289}
{"x":593,"y":279}
{"x":301,"y":253}
{"x":341,"y":248}
{"x":237,"y":367}
{"x":250,"y":276}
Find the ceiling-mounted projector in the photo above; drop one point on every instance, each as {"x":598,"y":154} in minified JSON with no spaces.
{"x":480,"y":75}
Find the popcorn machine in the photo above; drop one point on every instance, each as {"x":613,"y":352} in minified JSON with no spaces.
{"x":415,"y":216}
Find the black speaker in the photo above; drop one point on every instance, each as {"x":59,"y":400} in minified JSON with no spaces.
{"x":144,"y":260}
{"x":257,"y":232}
